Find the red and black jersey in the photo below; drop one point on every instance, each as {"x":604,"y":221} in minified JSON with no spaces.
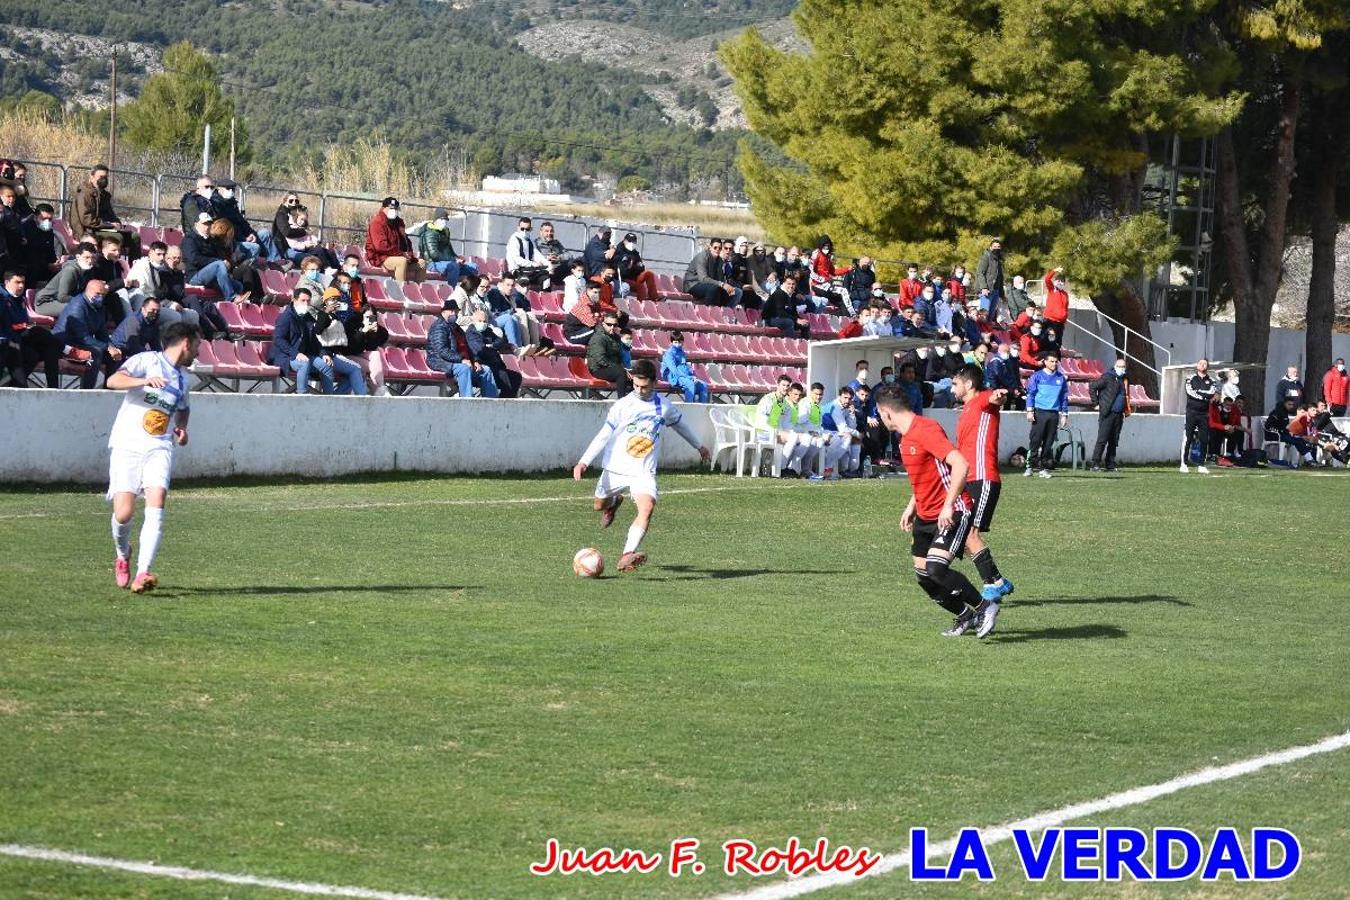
{"x":977,"y":437}
{"x":924,"y":449}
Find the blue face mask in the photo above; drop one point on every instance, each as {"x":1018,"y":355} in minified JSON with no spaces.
{"x":352,"y":270}
{"x":1120,"y":373}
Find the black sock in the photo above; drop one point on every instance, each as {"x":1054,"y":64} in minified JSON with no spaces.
{"x":940,"y":595}
{"x":984,"y":564}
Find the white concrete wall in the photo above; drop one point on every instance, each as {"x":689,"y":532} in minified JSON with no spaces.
{"x":63,"y":435}
{"x":60,"y":436}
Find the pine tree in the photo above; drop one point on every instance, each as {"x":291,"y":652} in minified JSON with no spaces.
{"x":176,"y":104}
{"x":919,"y":129}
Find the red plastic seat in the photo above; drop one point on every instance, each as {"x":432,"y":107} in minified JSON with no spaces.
{"x":253,"y":320}
{"x":234,"y":319}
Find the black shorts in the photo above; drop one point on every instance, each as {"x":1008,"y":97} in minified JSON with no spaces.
{"x":985,"y":495}
{"x":953,"y":539}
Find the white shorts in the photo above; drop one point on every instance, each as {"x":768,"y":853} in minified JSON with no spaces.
{"x":612,"y":483}
{"x":132,"y":471}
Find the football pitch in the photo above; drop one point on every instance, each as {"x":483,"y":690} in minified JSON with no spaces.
{"x":398,"y":684}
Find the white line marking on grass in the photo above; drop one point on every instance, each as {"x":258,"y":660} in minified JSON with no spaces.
{"x":182,"y":874}
{"x":1053,"y":818}
{"x":397,"y":504}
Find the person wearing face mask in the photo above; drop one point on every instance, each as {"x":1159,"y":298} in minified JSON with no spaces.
{"x":67,"y":283}
{"x":434,"y":245}
{"x":509,"y":310}
{"x":761,"y":266}
{"x":858,"y":284}
{"x":631,"y":269}
{"x":388,"y":246}
{"x":938,"y":376}
{"x":524,"y":262}
{"x":137,"y":333}
{"x":1111,"y":396}
{"x":1056,"y":299}
{"x":11,"y":231}
{"x":823,"y":274}
{"x":23,"y":344}
{"x":1032,"y":343}
{"x":225,"y":205}
{"x":40,"y":253}
{"x":989,"y":271}
{"x":197,"y":201}
{"x":487,"y":344}
{"x":92,"y":214}
{"x":598,"y":251}
{"x":943,"y":315}
{"x":957,"y":283}
{"x":1047,"y":411}
{"x":1001,"y":373}
{"x":1336,"y":388}
{"x":82,"y":328}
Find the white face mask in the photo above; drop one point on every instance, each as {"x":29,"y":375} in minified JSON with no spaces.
{"x":779,"y":255}
{"x":1003,"y":354}
{"x":1120,"y":371}
{"x":629,"y":245}
{"x":1036,"y":332}
{"x":84,"y":266}
{"x":1340,"y":367}
{"x":940,"y":351}
{"x":481,"y":326}
{"x":302,"y":309}
{"x":441,"y":223}
{"x":205,"y":192}
{"x":955,"y":348}
{"x":862,"y":374}
{"x":923,"y":352}
{"x":226,"y":194}
{"x":391,"y":214}
{"x":46,"y":225}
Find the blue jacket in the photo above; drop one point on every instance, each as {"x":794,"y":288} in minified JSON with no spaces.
{"x":929,"y":313}
{"x":82,"y":324}
{"x":675,"y":365}
{"x":293,"y":335}
{"x":136,"y":335}
{"x":915,"y":393}
{"x":487,"y":339}
{"x":12,"y":312}
{"x":1002,"y":373}
{"x":1046,"y":391}
{"x":443,"y":344}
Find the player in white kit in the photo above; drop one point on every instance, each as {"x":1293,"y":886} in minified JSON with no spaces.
{"x":631,"y":442}
{"x":141,"y":445}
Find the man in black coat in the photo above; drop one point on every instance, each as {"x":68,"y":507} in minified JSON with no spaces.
{"x":1111,"y":395}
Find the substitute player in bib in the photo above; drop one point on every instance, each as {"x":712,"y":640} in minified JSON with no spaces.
{"x":631,"y":442}
{"x":977,"y":439}
{"x":141,"y":445}
{"x":937,"y":513}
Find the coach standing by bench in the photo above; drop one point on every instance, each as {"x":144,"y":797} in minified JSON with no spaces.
{"x":1111,"y":395}
{"x":1200,"y":392}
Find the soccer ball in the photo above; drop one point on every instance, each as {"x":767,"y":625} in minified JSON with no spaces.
{"x":588,"y":563}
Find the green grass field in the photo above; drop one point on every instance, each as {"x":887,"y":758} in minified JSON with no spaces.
{"x":399,"y":684}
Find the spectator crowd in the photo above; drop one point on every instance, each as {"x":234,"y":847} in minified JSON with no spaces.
{"x":108,"y":297}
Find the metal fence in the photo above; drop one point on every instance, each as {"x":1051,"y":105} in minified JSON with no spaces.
{"x":140,"y":197}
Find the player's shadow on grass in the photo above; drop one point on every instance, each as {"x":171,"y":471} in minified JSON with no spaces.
{"x":1089,"y":601}
{"x":1074,"y":633}
{"x":261,"y":590}
{"x":690,"y":573}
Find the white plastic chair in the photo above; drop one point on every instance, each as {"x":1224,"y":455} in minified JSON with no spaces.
{"x":755,"y":442}
{"x":727,"y":435}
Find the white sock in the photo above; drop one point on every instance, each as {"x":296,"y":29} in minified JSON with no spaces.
{"x":150,"y":529}
{"x":122,"y":538}
{"x":635,"y":535}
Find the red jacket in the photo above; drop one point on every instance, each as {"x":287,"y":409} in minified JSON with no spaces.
{"x":1029,"y":345}
{"x":823,"y":270}
{"x":958,"y":289}
{"x":909,"y":289}
{"x":1218,"y":418}
{"x":1056,"y":301}
{"x":385,"y":238}
{"x":851,"y":329}
{"x":1336,"y":387}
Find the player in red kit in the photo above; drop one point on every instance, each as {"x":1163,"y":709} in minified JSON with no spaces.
{"x":937,"y":512}
{"x":977,"y":439}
